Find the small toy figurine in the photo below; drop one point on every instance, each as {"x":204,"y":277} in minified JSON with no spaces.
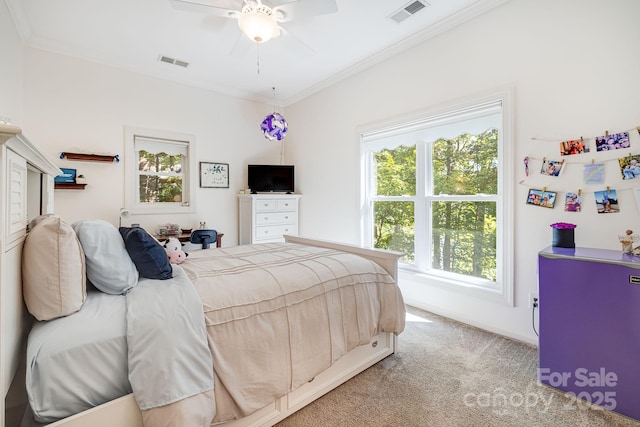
{"x":627,"y":241}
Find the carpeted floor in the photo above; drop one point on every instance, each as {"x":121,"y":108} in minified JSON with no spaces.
{"x":450,"y":374}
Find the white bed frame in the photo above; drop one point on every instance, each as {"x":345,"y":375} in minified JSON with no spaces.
{"x":14,"y":322}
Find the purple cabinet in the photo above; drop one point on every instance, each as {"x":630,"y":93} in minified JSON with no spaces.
{"x":589,"y":342}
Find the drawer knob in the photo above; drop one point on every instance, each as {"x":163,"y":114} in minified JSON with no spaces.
{"x":286,"y":217}
{"x":374,"y":344}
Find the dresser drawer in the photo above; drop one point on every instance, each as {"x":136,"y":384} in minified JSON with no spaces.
{"x":267,"y":218}
{"x":275,"y":231}
{"x":286,"y":204}
{"x":266,"y":205}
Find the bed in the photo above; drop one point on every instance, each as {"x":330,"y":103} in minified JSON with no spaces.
{"x":272,"y":328}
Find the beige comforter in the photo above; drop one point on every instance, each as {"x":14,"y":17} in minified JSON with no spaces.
{"x":278,"y":314}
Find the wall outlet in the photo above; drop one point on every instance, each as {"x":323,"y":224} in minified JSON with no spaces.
{"x":533,"y":295}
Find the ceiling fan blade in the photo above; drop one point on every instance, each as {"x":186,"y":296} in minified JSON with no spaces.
{"x":295,"y":45}
{"x":241,"y":47}
{"x":224,"y":8}
{"x":304,"y":8}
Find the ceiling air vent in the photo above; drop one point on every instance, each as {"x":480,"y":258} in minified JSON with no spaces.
{"x":173,"y":61}
{"x":408,"y":10}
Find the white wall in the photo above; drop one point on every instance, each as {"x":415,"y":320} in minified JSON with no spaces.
{"x":75,"y":105}
{"x":11,"y":69}
{"x":574,"y":67}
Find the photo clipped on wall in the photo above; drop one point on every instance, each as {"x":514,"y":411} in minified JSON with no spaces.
{"x":615,"y":141}
{"x":573,"y":202}
{"x":594,"y":173}
{"x":607,"y":201}
{"x":543,"y":198}
{"x":551,"y":167}
{"x":630,"y":166}
{"x":574,"y":146}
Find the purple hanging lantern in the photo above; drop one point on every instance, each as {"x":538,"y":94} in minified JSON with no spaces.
{"x":274,"y":126}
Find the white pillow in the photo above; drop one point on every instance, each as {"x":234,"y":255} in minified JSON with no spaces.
{"x":109,"y":267}
{"x":53,"y":269}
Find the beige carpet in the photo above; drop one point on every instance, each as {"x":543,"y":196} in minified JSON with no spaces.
{"x":449,"y":374}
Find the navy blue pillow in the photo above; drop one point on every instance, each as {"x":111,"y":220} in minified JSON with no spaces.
{"x":147,"y":254}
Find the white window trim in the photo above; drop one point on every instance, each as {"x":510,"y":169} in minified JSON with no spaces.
{"x":131,"y":165}
{"x":503,"y":290}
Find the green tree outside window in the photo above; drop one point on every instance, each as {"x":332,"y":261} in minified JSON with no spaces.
{"x":160,"y":177}
{"x":462,"y":229}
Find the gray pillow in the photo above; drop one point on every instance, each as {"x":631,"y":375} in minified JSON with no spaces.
{"x":109,"y":267}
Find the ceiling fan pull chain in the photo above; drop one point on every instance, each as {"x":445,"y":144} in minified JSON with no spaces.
{"x":258,"y":57}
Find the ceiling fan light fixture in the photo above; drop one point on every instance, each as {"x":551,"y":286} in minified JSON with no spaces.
{"x":257,"y":23}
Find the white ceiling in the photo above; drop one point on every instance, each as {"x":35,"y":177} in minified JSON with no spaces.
{"x":133,"y":34}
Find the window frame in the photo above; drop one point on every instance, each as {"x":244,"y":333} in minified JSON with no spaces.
{"x":503,"y":288}
{"x":132,"y":202}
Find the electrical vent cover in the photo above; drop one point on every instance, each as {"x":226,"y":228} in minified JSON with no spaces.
{"x":408,"y":10}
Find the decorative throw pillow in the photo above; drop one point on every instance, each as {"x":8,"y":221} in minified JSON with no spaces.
{"x":146,"y":253}
{"x":53,"y":269}
{"x":109,"y":267}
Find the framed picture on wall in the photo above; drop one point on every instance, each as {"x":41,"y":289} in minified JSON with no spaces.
{"x":214,"y":175}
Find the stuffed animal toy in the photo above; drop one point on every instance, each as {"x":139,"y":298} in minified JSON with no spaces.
{"x":173,"y":247}
{"x":178,"y":257}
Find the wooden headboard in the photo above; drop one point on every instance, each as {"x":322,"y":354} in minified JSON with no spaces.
{"x":26,"y":190}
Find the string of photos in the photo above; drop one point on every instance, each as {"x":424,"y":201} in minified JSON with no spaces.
{"x":606,"y":199}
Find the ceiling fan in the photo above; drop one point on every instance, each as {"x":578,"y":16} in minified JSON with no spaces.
{"x":259,"y":20}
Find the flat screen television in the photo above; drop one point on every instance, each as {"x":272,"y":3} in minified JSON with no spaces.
{"x":271,"y":178}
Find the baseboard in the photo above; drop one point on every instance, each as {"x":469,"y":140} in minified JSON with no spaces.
{"x":460,"y":318}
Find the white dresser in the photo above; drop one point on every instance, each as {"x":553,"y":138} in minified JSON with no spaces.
{"x":267,"y":217}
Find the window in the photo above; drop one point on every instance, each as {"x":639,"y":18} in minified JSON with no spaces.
{"x":437,"y":189}
{"x":159,"y":175}
{"x":160,"y":172}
